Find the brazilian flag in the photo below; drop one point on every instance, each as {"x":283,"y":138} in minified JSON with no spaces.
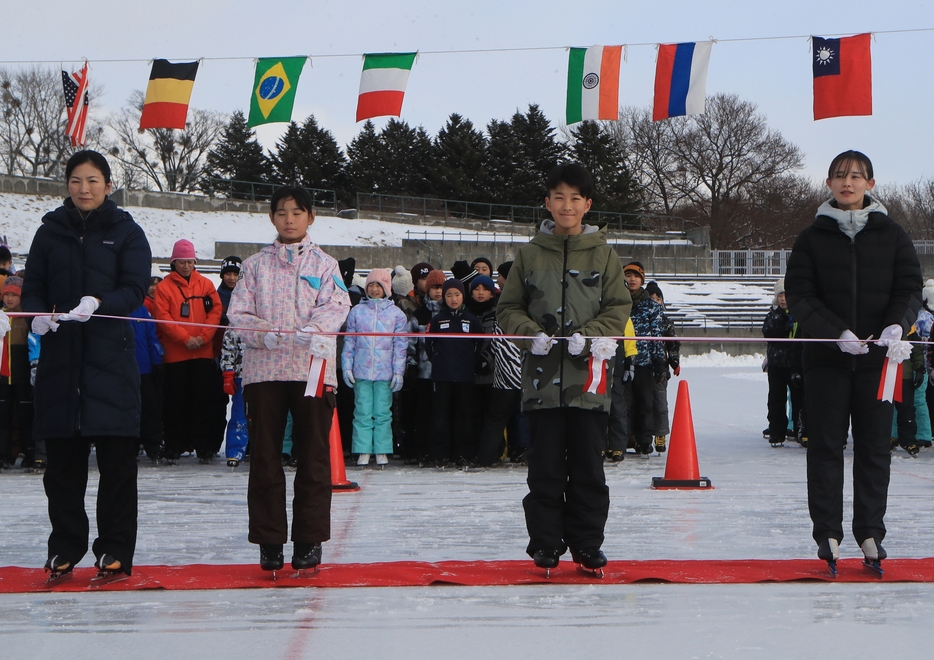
{"x":274,"y":89}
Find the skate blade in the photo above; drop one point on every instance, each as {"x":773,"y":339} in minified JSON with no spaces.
{"x":777,"y":444}
{"x":593,"y":572}
{"x":832,"y":567}
{"x":107,"y":578}
{"x":305,"y":573}
{"x":874,"y":566}
{"x":58,"y":578}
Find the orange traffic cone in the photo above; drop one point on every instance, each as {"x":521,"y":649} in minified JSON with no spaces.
{"x":339,"y":482}
{"x":681,"y":470}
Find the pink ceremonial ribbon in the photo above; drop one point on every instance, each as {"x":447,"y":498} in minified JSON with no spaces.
{"x":596,"y":376}
{"x":315,"y":386}
{"x":890,"y":385}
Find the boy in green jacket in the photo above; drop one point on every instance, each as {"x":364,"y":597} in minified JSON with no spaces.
{"x":566,"y":283}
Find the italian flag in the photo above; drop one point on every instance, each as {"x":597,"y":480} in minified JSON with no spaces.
{"x":593,"y":83}
{"x":382,"y":84}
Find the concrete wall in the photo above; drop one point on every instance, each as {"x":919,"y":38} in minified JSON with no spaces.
{"x":745,"y":348}
{"x":184,"y":202}
{"x":32,"y":186}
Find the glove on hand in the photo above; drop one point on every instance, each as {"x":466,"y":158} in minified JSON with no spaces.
{"x":603,"y":348}
{"x":323,"y":347}
{"x":542,"y":344}
{"x":678,"y":370}
{"x":305,"y":336}
{"x":629,"y":371}
{"x":4,"y":323}
{"x":850,"y":343}
{"x":797,"y":379}
{"x":917,"y":379}
{"x":890,"y":334}
{"x":42,"y":324}
{"x":86,"y":306}
{"x":273,"y":340}
{"x":348,"y":378}
{"x":576,"y":344}
{"x":230,"y":387}
{"x":396,"y":383}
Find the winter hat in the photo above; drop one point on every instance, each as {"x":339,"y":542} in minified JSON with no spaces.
{"x":779,"y":289}
{"x":635,"y":267}
{"x":381,"y":276}
{"x":434,"y":278}
{"x":13,"y":284}
{"x":482,"y":280}
{"x":482,"y":260}
{"x":452,"y":283}
{"x":420,"y":270}
{"x":652,"y":288}
{"x":347,"y":267}
{"x":504,"y":268}
{"x":927,"y":293}
{"x":231,"y":265}
{"x":401,"y":281}
{"x":183,"y":249}
{"x":461,"y":269}
{"x":156,"y":272}
{"x":358,"y":280}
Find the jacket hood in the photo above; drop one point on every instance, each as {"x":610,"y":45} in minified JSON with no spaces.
{"x":851,"y":222}
{"x":590,"y":237}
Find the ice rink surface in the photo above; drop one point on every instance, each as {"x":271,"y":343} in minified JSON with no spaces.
{"x":758,"y":510}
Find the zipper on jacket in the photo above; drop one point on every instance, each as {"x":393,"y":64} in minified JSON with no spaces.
{"x":564,"y":344}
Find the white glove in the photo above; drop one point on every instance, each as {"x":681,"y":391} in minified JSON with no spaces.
{"x":542,"y":344}
{"x":42,"y":324}
{"x":86,"y":306}
{"x":891,"y":334}
{"x":273,"y":340}
{"x":576,"y":344}
{"x":349,"y":379}
{"x":603,"y":348}
{"x":850,"y":343}
{"x":396,"y":383}
{"x":323,"y":347}
{"x":304,"y":336}
{"x":4,"y":323}
{"x":898,"y":351}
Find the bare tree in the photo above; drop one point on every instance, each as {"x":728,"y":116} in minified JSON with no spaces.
{"x":170,"y":159}
{"x":911,"y":205}
{"x":33,"y":121}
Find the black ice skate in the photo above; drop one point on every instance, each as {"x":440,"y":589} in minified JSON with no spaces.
{"x":109,"y":570}
{"x":547,"y":559}
{"x":590,"y":560}
{"x":306,"y":556}
{"x":873,"y":554}
{"x":270,"y":558}
{"x":59,"y":570}
{"x":829,"y":551}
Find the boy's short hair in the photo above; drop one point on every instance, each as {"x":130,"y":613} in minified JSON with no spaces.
{"x":5,"y":254}
{"x":848,"y":157}
{"x":572,"y":174}
{"x":301,"y":196}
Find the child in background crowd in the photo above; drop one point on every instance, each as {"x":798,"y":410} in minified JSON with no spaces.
{"x":453,"y":366}
{"x":431,"y":305}
{"x":149,"y":302}
{"x":374,"y":367}
{"x":673,"y":360}
{"x":231,"y":364}
{"x":149,"y":354}
{"x":784,"y":369}
{"x":619,"y":425}
{"x":483,"y":266}
{"x":6,"y":262}
{"x":15,"y":389}
{"x":907,"y":421}
{"x":482,"y":304}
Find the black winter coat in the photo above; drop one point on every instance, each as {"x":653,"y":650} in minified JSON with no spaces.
{"x":779,"y":324}
{"x":87,"y":381}
{"x":454,"y":360}
{"x":833,"y":284}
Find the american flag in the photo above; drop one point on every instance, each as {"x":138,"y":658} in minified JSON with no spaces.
{"x":76,"y":100}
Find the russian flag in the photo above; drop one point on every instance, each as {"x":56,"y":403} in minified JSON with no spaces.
{"x":681,"y":79}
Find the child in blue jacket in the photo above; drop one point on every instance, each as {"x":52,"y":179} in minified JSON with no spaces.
{"x":149,"y":354}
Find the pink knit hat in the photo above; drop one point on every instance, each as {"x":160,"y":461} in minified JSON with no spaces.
{"x":183,"y":249}
{"x":383,"y":277}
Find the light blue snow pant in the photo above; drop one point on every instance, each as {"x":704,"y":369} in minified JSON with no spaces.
{"x":922,"y":417}
{"x":372,"y":417}
{"x":237,"y":436}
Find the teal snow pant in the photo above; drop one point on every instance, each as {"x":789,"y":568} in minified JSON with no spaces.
{"x":372,"y":417}
{"x":922,"y":417}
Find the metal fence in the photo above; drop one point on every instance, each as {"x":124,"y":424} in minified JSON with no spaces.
{"x":756,"y":263}
{"x":260,"y":192}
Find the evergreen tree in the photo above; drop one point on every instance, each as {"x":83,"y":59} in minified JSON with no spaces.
{"x":599,"y":150}
{"x":501,"y":163}
{"x":365,"y":161}
{"x":460,"y":153}
{"x":309,"y":156}
{"x":408,"y":159}
{"x":236,"y":161}
{"x":538,"y":152}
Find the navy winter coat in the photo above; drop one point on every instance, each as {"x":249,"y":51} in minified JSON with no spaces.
{"x":87,"y":381}
{"x":454,"y":360}
{"x":149,"y":351}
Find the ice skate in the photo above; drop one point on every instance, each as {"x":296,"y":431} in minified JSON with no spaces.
{"x":363,"y":460}
{"x":109,"y":570}
{"x":660,"y":444}
{"x":911,"y":448}
{"x":59,"y":570}
{"x":589,"y":560}
{"x":615,"y":456}
{"x":829,"y":551}
{"x":382,"y":460}
{"x":306,"y":556}
{"x":547,"y":559}
{"x":233,"y":463}
{"x":270,"y":558}
{"x":873,"y":554}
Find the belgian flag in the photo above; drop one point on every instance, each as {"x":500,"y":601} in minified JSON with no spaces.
{"x":168,"y":94}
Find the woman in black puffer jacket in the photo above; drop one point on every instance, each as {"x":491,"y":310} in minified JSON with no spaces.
{"x":88,"y":257}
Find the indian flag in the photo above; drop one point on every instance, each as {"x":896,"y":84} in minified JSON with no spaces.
{"x":382,"y":84}
{"x":593,"y":83}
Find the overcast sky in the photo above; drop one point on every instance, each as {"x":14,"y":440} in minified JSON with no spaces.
{"x":774,"y":74}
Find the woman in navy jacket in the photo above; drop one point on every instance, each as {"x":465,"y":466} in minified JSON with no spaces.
{"x":88,"y":258}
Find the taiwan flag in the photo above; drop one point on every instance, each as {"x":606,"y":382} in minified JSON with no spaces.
{"x":842,"y":76}
{"x":681,"y":80}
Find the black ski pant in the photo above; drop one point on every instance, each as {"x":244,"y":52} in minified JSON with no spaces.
{"x":568,"y":498}
{"x":779,"y":384}
{"x":501,"y":408}
{"x":66,"y":480}
{"x":267,"y":406}
{"x":150,"y":420}
{"x":190,"y":404}
{"x":452,"y":421}
{"x":16,"y":404}
{"x":834,"y":396}
{"x":619,"y":426}
{"x":907,"y":421}
{"x":642,"y":408}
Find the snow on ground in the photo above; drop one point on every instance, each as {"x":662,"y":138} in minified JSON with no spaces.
{"x":758,"y":509}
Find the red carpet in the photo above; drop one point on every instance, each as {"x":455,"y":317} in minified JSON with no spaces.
{"x":470,"y":573}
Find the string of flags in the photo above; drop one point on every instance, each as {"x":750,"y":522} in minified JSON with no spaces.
{"x":842,"y":71}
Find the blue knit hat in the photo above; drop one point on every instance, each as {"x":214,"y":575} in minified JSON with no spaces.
{"x":482,"y":280}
